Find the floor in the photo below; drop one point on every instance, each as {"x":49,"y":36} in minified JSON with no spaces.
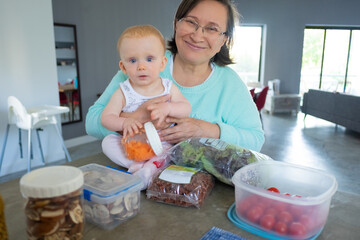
{"x":314,"y":143}
{"x":76,"y":153}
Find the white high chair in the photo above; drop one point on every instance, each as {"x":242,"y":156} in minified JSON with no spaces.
{"x":32,"y":119}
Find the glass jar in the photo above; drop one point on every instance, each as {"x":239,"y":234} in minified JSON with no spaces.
{"x":144,"y":145}
{"x":53,"y":205}
{"x":3,"y":230}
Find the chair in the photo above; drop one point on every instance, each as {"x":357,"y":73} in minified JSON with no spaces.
{"x":252,"y":92}
{"x":32,"y":119}
{"x":260,"y":99}
{"x":76,"y":102}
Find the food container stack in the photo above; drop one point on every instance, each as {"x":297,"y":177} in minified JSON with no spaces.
{"x":283,"y":201}
{"x":53,"y":207}
{"x":111,"y":196}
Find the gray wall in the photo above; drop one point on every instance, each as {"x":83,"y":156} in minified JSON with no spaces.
{"x":99,"y":23}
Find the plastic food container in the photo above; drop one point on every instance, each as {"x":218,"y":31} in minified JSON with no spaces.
{"x":53,"y":206}
{"x":110,"y":196}
{"x":144,"y":145}
{"x":299,"y":211}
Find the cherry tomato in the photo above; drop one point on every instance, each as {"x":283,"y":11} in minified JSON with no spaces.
{"x":273,"y":189}
{"x":280,"y":227}
{"x":280,"y":206}
{"x":287,"y":194}
{"x":254,"y":214}
{"x":306,"y":221}
{"x":285,"y":217}
{"x":267,"y":202}
{"x":297,"y":229}
{"x":296,"y":211}
{"x":244,"y":205}
{"x":261,"y":205}
{"x":271,"y":211}
{"x":267,"y":221}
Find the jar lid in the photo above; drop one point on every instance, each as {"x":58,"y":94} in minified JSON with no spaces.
{"x":51,"y":181}
{"x":153,"y":137}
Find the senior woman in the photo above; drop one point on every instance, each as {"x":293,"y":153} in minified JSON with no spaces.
{"x":222,"y":107}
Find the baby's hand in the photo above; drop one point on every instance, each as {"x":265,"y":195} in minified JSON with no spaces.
{"x":131,"y":126}
{"x":159,"y":111}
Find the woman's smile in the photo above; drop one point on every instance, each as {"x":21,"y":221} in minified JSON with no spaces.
{"x":193,"y":46}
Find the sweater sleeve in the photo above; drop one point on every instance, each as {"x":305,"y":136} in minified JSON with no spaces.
{"x":248,"y":138}
{"x":240,"y":122}
{"x":92,"y":123}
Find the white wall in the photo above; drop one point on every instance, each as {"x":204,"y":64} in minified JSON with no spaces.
{"x":27,"y":71}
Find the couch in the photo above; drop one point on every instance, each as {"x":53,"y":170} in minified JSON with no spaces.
{"x":339,"y":108}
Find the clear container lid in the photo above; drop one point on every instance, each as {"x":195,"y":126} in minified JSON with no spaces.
{"x":51,"y":181}
{"x":153,"y":138}
{"x":287,"y":177}
{"x":105,"y":184}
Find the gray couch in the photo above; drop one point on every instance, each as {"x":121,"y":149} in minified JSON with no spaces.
{"x":339,"y":108}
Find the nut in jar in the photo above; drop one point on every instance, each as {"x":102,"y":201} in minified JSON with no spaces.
{"x":53,"y":207}
{"x":3,"y":230}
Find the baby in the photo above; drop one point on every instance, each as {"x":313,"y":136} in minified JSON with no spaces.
{"x":142,"y":58}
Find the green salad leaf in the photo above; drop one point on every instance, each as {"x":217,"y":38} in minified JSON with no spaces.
{"x":215,"y":156}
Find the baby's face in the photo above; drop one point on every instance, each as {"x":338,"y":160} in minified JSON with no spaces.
{"x":142,"y":59}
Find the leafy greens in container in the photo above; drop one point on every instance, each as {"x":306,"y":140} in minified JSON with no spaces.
{"x":215,"y":156}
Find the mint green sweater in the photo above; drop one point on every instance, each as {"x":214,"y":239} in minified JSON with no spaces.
{"x":222,"y":99}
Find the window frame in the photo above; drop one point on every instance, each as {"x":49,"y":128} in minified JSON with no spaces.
{"x":261,"y":53}
{"x":325,"y":28}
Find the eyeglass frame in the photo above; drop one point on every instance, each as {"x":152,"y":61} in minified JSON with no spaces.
{"x":197,"y":26}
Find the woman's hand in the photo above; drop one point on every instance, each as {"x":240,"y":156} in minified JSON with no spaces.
{"x":186,"y":128}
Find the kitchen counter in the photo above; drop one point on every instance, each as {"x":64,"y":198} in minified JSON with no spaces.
{"x":161,"y":221}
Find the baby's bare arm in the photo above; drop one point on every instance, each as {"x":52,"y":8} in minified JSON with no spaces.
{"x":110,"y":117}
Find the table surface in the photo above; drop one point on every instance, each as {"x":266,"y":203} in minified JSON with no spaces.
{"x":161,"y":221}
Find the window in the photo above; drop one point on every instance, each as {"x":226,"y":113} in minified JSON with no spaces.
{"x":331,"y":56}
{"x":246,"y":52}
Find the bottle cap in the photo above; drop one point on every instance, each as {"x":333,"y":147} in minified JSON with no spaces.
{"x":153,"y":137}
{"x":51,"y":181}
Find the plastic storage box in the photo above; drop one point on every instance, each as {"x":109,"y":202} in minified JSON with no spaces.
{"x":299,"y":211}
{"x":110,"y":196}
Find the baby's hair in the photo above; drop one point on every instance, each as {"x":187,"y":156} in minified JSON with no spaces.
{"x":139,"y":31}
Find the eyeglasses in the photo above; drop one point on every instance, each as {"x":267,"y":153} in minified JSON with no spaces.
{"x":189,"y":24}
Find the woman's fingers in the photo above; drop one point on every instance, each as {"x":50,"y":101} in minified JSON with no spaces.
{"x":184,"y":128}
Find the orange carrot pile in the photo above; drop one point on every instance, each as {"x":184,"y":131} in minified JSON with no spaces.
{"x":138,"y":151}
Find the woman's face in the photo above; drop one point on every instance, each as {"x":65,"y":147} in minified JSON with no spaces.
{"x":198,"y":47}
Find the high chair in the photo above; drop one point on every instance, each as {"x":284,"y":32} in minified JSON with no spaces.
{"x":32,"y":119}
